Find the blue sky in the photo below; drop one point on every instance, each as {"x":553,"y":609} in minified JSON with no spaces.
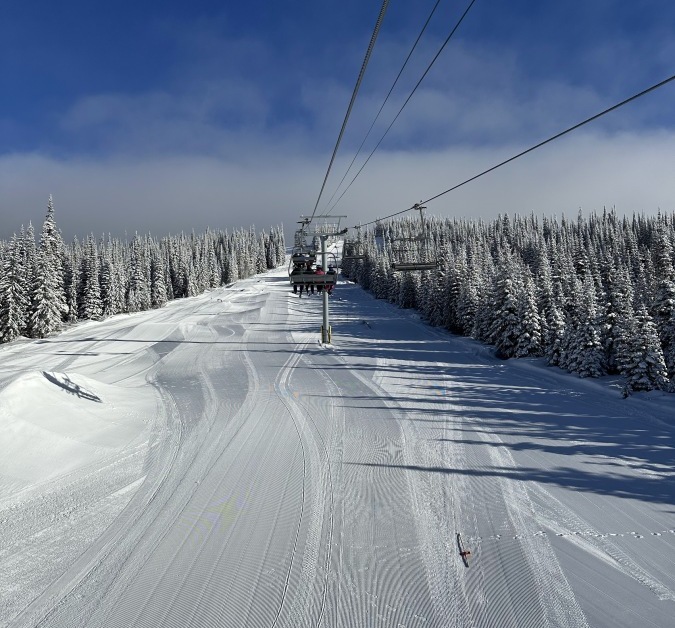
{"x":169,"y":116}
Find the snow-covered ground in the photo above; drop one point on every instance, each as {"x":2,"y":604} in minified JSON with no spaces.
{"x":210,"y":464}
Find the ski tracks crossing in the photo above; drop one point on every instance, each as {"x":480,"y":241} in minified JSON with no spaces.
{"x":522,"y":586}
{"x":296,"y":486}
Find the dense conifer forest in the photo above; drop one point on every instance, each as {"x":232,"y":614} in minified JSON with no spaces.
{"x":47,"y":284}
{"x":593,"y":296}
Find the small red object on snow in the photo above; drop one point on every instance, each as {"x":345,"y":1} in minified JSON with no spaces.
{"x":464,"y":553}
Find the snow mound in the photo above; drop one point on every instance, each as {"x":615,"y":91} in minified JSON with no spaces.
{"x":55,"y":423}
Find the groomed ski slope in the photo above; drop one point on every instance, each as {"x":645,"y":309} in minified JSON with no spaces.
{"x":210,"y":464}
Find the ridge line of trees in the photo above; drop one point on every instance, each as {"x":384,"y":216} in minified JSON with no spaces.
{"x":593,"y":296}
{"x":46,"y":285}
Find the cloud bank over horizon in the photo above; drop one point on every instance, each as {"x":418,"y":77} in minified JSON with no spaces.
{"x":632,"y":173}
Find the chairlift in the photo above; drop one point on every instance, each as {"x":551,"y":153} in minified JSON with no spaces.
{"x":423,"y":264}
{"x":410,"y":266}
{"x":303,"y":277}
{"x":352,"y":251}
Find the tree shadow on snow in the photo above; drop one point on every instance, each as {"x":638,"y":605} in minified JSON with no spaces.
{"x":595,"y":442}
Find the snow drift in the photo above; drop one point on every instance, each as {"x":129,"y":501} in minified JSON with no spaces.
{"x":54,"y":423}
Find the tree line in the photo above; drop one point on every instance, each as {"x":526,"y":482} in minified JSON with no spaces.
{"x":593,"y":296}
{"x":47,"y":284}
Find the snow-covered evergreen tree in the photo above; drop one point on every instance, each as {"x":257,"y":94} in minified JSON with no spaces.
{"x":642,"y":363}
{"x":107,"y":287}
{"x":13,"y":299}
{"x":158,"y":288}
{"x":138,"y":294}
{"x":27,"y":272}
{"x":663,"y":302}
{"x":70,"y":287}
{"x":618,"y":314}
{"x":504,"y":329}
{"x":48,"y":303}
{"x":528,"y":341}
{"x":584,"y":352}
{"x":90,"y":304}
{"x":407,"y":294}
{"x":663,"y":309}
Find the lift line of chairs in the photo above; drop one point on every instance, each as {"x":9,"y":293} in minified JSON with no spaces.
{"x":303,"y":258}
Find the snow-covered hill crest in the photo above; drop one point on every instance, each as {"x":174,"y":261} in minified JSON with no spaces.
{"x":54,"y":423}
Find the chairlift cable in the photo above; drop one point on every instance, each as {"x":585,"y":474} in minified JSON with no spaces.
{"x":532,"y":148}
{"x":384,"y":102}
{"x":555,"y":137}
{"x":369,"y":51}
{"x":400,"y":111}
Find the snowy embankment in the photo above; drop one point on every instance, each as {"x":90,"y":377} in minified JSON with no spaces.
{"x":52,"y":424}
{"x":210,"y":463}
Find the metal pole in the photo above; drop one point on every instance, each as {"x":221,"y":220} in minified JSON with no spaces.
{"x":325,"y":329}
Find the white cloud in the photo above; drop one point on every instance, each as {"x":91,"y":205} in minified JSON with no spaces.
{"x":168,"y":194}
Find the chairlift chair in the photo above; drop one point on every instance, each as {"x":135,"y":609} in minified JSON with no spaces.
{"x":350,"y":247}
{"x":423,"y":264}
{"x":411,"y":266}
{"x":300,"y":272}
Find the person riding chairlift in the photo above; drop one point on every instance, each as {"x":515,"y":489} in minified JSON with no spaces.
{"x":309,"y":286}
{"x":330,"y":286}
{"x":319,"y":271}
{"x":297,"y":270}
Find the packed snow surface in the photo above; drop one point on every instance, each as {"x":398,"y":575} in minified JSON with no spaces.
{"x":54,"y":423}
{"x":211,"y":464}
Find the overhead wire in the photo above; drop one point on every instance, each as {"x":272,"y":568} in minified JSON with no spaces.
{"x":369,"y":51}
{"x":384,"y":102}
{"x":529,"y":150}
{"x":407,"y":100}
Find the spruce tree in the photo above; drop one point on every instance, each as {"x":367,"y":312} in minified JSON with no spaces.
{"x":643,"y":364}
{"x":90,"y":302}
{"x":407,"y":296}
{"x":504,"y":312}
{"x":157,"y":278}
{"x":138,"y":294}
{"x":618,"y":312}
{"x":663,"y":303}
{"x":585,"y":353}
{"x":27,"y":269}
{"x":13,"y":299}
{"x":48,"y":303}
{"x":663,"y":311}
{"x":70,"y":287}
{"x":528,"y":341}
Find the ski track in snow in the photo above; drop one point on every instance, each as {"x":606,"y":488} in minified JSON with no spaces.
{"x":278,"y":483}
{"x":507,"y":500}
